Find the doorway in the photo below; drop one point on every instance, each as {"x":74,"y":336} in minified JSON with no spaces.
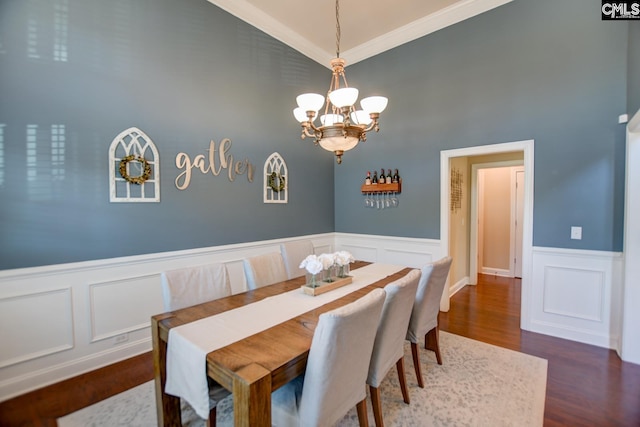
{"x":526,"y":148}
{"x":496,"y":217}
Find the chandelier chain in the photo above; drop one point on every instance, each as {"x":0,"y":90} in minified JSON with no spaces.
{"x":337,"y":29}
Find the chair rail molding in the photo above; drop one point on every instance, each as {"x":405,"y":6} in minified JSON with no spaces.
{"x":89,"y":330}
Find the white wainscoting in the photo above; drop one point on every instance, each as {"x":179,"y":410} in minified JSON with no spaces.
{"x":576,"y":295}
{"x":392,"y":250}
{"x":74,"y":318}
{"x":62,"y":320}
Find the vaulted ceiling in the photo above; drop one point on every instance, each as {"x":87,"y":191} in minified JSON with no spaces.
{"x":368,"y":27}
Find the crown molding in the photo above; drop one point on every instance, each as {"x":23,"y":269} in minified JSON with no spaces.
{"x":453,"y":14}
{"x":250,"y":14}
{"x":446,"y":17}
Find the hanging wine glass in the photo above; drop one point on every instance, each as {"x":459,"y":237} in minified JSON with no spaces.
{"x":394,"y":200}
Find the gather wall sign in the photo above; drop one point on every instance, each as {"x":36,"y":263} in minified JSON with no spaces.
{"x":214,"y":161}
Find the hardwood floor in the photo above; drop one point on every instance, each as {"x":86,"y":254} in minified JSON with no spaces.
{"x":586,"y":385}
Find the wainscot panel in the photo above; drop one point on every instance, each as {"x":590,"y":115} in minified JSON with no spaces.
{"x":411,"y":252}
{"x":74,"y":318}
{"x":576,"y":295}
{"x":78,"y":317}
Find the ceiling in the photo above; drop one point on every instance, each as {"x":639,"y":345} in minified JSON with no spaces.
{"x":368,"y":27}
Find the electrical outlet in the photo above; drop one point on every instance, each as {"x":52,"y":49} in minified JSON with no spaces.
{"x":576,"y":233}
{"x":119,"y":339}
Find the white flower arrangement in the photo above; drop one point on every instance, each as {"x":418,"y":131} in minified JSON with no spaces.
{"x":312,"y":264}
{"x":315,"y":264}
{"x":327,"y":260}
{"x":343,"y":258}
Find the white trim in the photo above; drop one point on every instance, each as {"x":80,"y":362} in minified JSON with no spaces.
{"x":474,"y":250}
{"x":629,"y":348}
{"x":458,"y":285}
{"x":527,"y":147}
{"x":453,"y":14}
{"x":516,"y":223}
{"x":501,"y":272}
{"x":88,"y":355}
{"x":16,"y":385}
{"x":446,"y":17}
{"x":634,"y":124}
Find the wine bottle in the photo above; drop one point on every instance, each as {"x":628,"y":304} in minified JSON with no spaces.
{"x":374,"y":180}
{"x":389,"y":179}
{"x":367,"y":180}
{"x":382,"y":179}
{"x":396,"y":177}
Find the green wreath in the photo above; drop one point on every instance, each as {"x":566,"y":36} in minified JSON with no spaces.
{"x":271,"y":182}
{"x":146,"y":173}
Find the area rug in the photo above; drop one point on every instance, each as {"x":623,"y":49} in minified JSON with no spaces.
{"x":477,"y":385}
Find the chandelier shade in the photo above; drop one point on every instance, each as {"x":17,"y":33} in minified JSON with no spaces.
{"x":341,"y":127}
{"x":310,"y":101}
{"x":374,"y":104}
{"x":345,"y":97}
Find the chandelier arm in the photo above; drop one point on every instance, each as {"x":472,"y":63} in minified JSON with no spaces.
{"x":310,"y":125}
{"x":338,"y":132}
{"x":372,"y":126}
{"x":309,"y":132}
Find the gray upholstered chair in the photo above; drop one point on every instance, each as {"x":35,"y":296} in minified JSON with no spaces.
{"x":336,"y":374}
{"x":264,"y":270}
{"x":388,"y":349}
{"x":293,"y":253}
{"x":189,"y":286}
{"x":424,"y":316}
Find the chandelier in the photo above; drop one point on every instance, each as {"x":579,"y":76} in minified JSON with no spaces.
{"x":342,"y":126}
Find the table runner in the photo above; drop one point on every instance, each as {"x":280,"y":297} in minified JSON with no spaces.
{"x":189,"y":344}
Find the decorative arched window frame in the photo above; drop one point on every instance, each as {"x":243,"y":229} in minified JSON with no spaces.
{"x":276,"y":180}
{"x":134,"y":142}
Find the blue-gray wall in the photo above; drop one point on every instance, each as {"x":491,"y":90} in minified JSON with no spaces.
{"x":184,"y":72}
{"x":546,"y":70}
{"x":633,"y":95}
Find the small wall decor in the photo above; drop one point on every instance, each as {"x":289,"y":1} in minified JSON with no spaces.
{"x":276,"y":182}
{"x":456,"y":190}
{"x":134,"y":168}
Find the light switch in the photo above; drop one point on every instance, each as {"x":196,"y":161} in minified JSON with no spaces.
{"x":576,"y":233}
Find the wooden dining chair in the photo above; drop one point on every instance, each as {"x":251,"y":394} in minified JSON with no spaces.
{"x":293,"y":253}
{"x":189,"y":286}
{"x":264,"y":270}
{"x":334,"y":380}
{"x":424,"y":315}
{"x":388,"y":348}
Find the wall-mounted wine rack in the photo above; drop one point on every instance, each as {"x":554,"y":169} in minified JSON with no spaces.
{"x":394,"y":187}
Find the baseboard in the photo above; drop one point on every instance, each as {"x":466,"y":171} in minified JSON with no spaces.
{"x":18,"y":385}
{"x":491,"y":271}
{"x":458,"y":285}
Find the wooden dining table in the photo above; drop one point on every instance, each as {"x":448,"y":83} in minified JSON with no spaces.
{"x":252,"y":367}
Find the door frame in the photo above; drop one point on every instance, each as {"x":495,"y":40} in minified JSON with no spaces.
{"x":474,"y":210}
{"x":516,"y":222}
{"x":527,"y":147}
